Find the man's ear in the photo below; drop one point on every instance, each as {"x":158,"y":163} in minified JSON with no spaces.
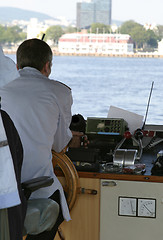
{"x":45,"y":69}
{"x":17,"y":67}
{"x":46,"y":66}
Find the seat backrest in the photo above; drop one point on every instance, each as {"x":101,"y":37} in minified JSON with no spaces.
{"x":41,"y":215}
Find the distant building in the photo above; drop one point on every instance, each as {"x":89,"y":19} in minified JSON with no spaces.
{"x":79,"y":43}
{"x":35,"y":28}
{"x":96,"y":11}
{"x":150,"y":26}
{"x":160,"y":47}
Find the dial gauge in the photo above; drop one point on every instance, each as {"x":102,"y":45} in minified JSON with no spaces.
{"x":127,"y":206}
{"x":147,"y":208}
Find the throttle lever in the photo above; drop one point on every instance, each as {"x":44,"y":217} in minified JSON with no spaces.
{"x":87,"y":191}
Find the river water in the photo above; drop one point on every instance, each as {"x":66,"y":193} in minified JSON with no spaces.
{"x":99,"y":82}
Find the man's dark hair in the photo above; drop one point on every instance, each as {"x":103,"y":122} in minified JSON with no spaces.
{"x":33,"y":53}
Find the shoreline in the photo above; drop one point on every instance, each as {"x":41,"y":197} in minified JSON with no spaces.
{"x":127,"y":55}
{"x":134,"y":55}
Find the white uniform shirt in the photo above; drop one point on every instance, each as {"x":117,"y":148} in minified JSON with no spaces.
{"x":37,"y":107}
{"x":9,"y":195}
{"x":8,"y":71}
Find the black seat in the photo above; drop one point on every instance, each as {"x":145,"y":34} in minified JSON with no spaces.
{"x":14,"y":216}
{"x":37,"y":214}
{"x":41,"y":213}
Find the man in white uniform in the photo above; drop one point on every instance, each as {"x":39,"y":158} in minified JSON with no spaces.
{"x":41,"y":111}
{"x":8,"y":71}
{"x":12,"y":200}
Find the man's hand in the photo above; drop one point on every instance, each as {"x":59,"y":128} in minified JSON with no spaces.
{"x":78,"y":140}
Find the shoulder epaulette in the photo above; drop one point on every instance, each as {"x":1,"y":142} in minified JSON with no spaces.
{"x":63,"y":84}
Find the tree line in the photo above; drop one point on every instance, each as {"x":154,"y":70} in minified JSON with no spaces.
{"x":9,"y":35}
{"x":145,"y":40}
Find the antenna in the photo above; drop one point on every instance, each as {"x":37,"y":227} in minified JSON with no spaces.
{"x":43,"y":36}
{"x":148,"y":106}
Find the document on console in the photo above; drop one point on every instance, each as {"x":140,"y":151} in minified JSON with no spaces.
{"x":134,"y":120}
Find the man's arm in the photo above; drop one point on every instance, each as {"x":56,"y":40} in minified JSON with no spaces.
{"x":78,"y":139}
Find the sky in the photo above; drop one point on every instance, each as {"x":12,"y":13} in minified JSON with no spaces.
{"x":141,"y":11}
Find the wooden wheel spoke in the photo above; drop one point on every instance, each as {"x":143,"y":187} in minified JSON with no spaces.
{"x":70,"y":174}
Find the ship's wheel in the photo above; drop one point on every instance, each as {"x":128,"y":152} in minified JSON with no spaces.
{"x":68,"y":169}
{"x":71,"y":187}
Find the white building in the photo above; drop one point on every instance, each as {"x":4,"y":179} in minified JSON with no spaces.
{"x":89,"y":43}
{"x":160,"y":47}
{"x":150,"y":26}
{"x":35,"y":28}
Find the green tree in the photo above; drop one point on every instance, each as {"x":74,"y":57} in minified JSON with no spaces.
{"x":11,"y":34}
{"x":159,"y":32}
{"x":99,"y":28}
{"x":22,"y":36}
{"x":54,"y":33}
{"x":151,"y":38}
{"x":140,"y":36}
{"x":128,"y":26}
{"x":2,"y":30}
{"x":70,"y":29}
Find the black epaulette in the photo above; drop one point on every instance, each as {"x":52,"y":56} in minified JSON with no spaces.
{"x":63,"y":84}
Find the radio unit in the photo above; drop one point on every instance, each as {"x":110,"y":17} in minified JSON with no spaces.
{"x":106,"y":126}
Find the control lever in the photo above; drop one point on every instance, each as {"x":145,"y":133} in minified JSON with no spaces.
{"x":127,"y":135}
{"x":87,"y":191}
{"x":138,"y":135}
{"x":137,"y":138}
